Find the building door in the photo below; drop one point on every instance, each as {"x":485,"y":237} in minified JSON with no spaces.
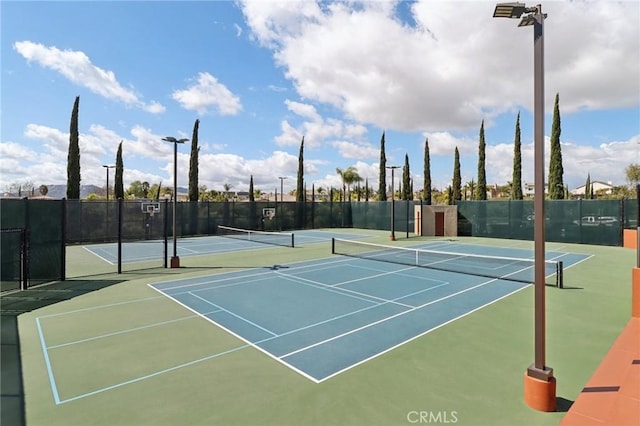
{"x":439,"y":224}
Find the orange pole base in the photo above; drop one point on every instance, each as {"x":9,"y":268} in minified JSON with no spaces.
{"x":540,"y":394}
{"x":635,"y":293}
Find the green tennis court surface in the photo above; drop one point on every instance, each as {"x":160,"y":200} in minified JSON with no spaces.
{"x":284,"y":336}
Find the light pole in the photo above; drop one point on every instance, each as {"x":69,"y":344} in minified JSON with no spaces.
{"x":282,"y":178}
{"x":540,"y":385}
{"x":108,"y":167}
{"x":392,"y":237}
{"x":175,"y":260}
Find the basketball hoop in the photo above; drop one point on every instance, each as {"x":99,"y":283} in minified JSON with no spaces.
{"x":269,"y":213}
{"x":150,"y":207}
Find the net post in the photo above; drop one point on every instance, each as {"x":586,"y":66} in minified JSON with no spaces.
{"x":559,"y":275}
{"x":63,"y":240}
{"x":165,"y":238}
{"x":292,"y":241}
{"x":333,"y":245}
{"x":24,"y":254}
{"x":27,"y":237}
{"x":120,"y":213}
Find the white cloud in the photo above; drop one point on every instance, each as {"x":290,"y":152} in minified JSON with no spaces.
{"x":361,"y":58}
{"x":236,"y":170}
{"x":208,"y":92}
{"x":317,"y":131}
{"x":15,"y":151}
{"x":275,"y":88}
{"x":444,"y":143}
{"x":238,"y":29}
{"x":77,"y":68}
{"x":355,"y":150}
{"x":303,"y":110}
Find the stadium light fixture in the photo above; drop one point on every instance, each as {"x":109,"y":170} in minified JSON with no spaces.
{"x":540,"y":385}
{"x":175,"y":260}
{"x":106,"y":166}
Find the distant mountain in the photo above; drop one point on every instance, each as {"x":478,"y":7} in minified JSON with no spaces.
{"x":60,"y":191}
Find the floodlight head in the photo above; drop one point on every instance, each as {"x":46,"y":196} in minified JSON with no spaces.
{"x":530,"y":19}
{"x":174,"y":140}
{"x":509,"y":10}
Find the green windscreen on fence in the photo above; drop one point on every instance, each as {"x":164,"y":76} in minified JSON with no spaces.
{"x":43,"y":224}
{"x":572,"y":221}
{"x":13,"y":248}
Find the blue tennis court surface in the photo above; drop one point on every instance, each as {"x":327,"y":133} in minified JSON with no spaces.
{"x":326,"y":316}
{"x":150,"y":250}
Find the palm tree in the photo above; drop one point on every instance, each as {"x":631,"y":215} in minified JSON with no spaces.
{"x":349,"y":176}
{"x":227,"y":187}
{"x":145,"y":189}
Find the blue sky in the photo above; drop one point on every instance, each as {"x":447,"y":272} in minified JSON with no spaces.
{"x":260,"y":75}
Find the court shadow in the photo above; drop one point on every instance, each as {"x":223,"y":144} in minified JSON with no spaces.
{"x":19,"y":302}
{"x":11,"y":306}
{"x":564,"y":287}
{"x":563,"y":405}
{"x":276,"y":267}
{"x":12,"y":396}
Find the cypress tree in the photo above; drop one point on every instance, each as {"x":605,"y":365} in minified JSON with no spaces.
{"x":118,"y":185}
{"x":382,"y":185}
{"x":426,"y":189}
{"x":450,"y":200}
{"x":556,"y":185}
{"x":366,"y":189}
{"x":252,"y":197}
{"x":193,"y":164}
{"x":457,"y":179}
{"x":300,"y":182}
{"x":406,"y":178}
{"x":516,"y":179}
{"x":481,"y":193}
{"x":73,"y":157}
{"x":588,"y":192}
{"x":300,"y":189}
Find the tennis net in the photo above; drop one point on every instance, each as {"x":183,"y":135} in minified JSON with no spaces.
{"x":497,"y":267}
{"x":276,"y":238}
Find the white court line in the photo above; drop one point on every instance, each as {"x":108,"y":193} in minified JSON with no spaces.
{"x":331,"y":288}
{"x":129,"y":330}
{"x":418,"y":336}
{"x":324,"y":287}
{"x":148,"y":376}
{"x":389,"y":318}
{"x":225,"y":276}
{"x":95,"y":253}
{"x":235,"y":315}
{"x":144,"y":299}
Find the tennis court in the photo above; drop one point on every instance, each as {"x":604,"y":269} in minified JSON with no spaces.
{"x":153,"y":250}
{"x":278,"y":334}
{"x":323,"y":317}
